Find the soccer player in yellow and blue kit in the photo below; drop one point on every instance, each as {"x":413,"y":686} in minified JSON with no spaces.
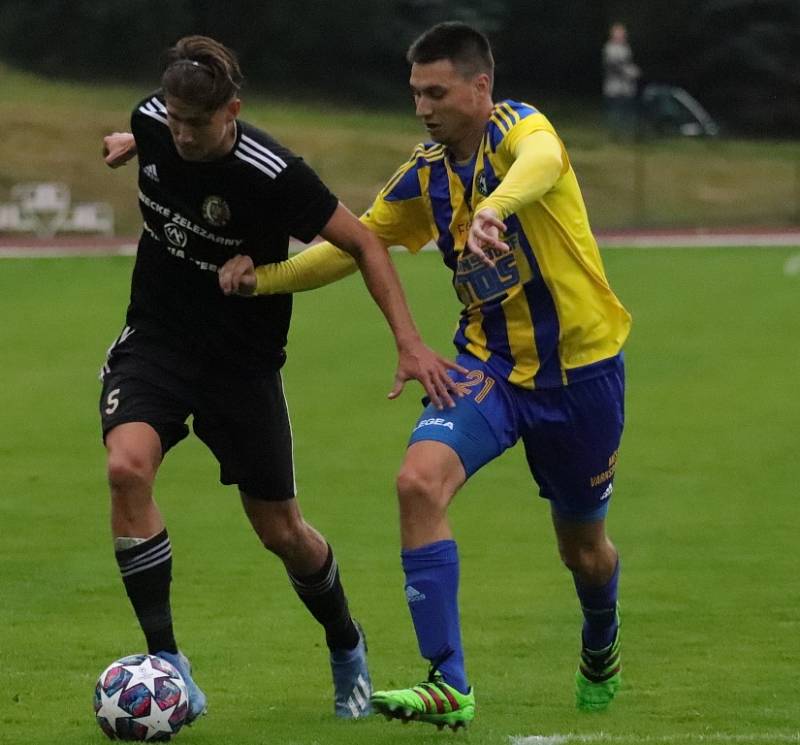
{"x":539,"y":340}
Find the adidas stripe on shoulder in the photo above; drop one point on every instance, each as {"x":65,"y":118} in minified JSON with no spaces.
{"x":259,"y":156}
{"x":155,"y":110}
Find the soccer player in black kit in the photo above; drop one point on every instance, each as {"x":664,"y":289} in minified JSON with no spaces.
{"x":212,"y":187}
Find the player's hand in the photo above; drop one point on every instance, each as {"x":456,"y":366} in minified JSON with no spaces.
{"x":419,"y":362}
{"x":118,"y":149}
{"x":238,"y":276}
{"x":485,"y":231}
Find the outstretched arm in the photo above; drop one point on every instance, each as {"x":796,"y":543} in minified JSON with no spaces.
{"x":118,"y":148}
{"x":313,"y":267}
{"x":359,"y":247}
{"x":537,"y":166}
{"x":416,"y":360}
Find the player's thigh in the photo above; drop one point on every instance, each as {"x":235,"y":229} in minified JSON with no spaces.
{"x":572,"y":441}
{"x":481,"y":425}
{"x":431,"y":469}
{"x":245,"y":423}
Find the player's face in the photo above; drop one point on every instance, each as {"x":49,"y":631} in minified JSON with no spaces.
{"x":451,"y":106}
{"x":200,"y":134}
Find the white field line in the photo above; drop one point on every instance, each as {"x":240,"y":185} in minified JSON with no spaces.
{"x":791,"y":267}
{"x":604,"y":738}
{"x":701,"y":241}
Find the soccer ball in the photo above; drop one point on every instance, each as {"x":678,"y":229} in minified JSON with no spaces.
{"x":140,"y":697}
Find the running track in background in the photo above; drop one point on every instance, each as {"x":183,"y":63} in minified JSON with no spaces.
{"x":32,"y":247}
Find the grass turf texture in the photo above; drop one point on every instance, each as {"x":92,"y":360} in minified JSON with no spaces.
{"x":704,"y":513}
{"x":52,"y":131}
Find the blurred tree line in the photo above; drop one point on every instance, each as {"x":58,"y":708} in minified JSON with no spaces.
{"x":740,"y":58}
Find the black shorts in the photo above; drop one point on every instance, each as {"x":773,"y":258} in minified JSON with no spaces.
{"x":242,"y":418}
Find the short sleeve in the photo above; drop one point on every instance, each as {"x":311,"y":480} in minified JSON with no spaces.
{"x":400,"y":214}
{"x":305,"y":201}
{"x":149,"y":123}
{"x":398,"y":224}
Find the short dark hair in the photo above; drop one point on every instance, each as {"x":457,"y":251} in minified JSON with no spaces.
{"x":467,"y":48}
{"x":201,"y":71}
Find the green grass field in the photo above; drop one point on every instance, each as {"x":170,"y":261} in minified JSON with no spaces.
{"x":705,"y":515}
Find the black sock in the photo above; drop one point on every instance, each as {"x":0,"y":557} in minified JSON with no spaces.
{"x":146,"y":573}
{"x":323,"y":595}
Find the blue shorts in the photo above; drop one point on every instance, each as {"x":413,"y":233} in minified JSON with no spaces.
{"x":571,"y":434}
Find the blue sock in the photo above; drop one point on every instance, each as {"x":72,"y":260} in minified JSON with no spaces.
{"x":432,"y":594}
{"x":599,"y":606}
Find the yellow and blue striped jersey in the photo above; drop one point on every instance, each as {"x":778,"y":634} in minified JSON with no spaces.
{"x":544,"y":315}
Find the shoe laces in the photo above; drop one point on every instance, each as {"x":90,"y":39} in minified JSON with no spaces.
{"x":434,"y":676}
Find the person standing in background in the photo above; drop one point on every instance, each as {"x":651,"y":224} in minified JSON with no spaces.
{"x":620,"y":83}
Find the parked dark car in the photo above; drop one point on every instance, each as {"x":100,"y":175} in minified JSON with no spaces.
{"x":667,"y":111}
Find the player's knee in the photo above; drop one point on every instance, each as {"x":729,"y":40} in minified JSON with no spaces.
{"x":576,"y":558}
{"x":278,"y":542}
{"x":587,"y":561}
{"x":412,"y":483}
{"x":128,"y":473}
{"x":417,"y":489}
{"x":284,"y":538}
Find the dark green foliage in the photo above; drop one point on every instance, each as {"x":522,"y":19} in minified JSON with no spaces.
{"x":740,"y":58}
{"x":747,"y":62}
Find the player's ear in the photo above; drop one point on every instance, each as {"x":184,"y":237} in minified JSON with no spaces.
{"x":233,"y":107}
{"x":483,"y":83}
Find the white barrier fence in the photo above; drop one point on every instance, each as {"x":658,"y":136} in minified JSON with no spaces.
{"x":46,"y":209}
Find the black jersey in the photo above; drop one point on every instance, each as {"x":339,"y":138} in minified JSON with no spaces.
{"x":197,"y":215}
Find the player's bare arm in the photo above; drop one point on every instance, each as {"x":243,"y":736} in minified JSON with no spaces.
{"x":118,"y":149}
{"x":415,"y":359}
